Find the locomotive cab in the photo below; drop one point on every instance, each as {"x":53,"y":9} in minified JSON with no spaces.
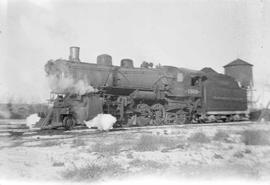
{"x":185,"y":82}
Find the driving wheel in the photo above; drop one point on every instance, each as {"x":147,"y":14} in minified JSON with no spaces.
{"x":69,"y":123}
{"x":158,"y":113}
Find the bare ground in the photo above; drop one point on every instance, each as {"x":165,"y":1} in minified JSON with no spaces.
{"x":239,"y":151}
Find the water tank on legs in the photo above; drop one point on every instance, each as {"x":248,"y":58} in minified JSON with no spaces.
{"x":241,"y":71}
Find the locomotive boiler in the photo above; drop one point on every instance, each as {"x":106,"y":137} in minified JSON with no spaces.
{"x":139,"y":96}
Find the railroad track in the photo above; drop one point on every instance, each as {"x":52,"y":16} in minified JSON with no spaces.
{"x":8,"y":126}
{"x":19,"y":128}
{"x":18,"y":131}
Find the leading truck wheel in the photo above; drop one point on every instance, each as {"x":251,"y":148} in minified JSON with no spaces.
{"x":181,"y":117}
{"x":69,"y":123}
{"x":176,"y":118}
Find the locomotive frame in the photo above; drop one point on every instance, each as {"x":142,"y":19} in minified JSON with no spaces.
{"x":144,"y":96}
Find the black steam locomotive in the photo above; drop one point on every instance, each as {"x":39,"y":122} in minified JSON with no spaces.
{"x":142,"y":96}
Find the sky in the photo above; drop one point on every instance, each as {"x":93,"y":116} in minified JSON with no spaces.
{"x":184,"y":33}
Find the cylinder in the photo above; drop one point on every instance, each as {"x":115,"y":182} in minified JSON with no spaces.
{"x":127,"y":63}
{"x":74,"y":54}
{"x":104,"y":59}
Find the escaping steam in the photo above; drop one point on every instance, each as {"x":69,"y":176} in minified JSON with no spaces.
{"x":102,"y":122}
{"x":61,"y":79}
{"x":68,"y":85}
{"x":31,"y":120}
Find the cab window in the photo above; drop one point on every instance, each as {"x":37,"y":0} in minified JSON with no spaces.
{"x":180,"y":77}
{"x":195,"y":81}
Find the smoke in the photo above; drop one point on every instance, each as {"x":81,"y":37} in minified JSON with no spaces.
{"x":61,"y":80}
{"x":32,"y":120}
{"x":102,"y":122}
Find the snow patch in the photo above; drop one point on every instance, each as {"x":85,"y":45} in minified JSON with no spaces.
{"x":102,"y":122}
{"x":31,"y":120}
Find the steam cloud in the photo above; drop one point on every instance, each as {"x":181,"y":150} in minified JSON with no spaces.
{"x":68,"y":85}
{"x":31,"y":120}
{"x":103,"y":122}
{"x":61,"y":79}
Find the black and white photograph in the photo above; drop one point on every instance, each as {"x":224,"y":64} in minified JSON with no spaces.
{"x":134,"y":92}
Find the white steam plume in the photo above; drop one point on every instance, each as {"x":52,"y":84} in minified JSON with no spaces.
{"x":61,"y":79}
{"x":68,"y":84}
{"x":102,"y":122}
{"x":31,"y":120}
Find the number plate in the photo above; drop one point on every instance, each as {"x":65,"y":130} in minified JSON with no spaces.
{"x":193,"y":91}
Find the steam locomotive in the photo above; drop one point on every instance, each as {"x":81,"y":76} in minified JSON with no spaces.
{"x":144,"y":95}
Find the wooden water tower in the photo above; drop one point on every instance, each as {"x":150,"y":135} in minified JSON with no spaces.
{"x":242,"y":72}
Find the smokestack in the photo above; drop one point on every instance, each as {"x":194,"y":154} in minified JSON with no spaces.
{"x":74,"y":53}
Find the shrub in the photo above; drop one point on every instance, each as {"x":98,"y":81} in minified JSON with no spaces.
{"x":130,"y":156}
{"x":147,"y":164}
{"x":255,"y":137}
{"x":238,"y":154}
{"x":49,"y":143}
{"x":78,"y":142}
{"x":248,"y":151}
{"x":152,"y":143}
{"x":221,"y":136}
{"x":110,"y":149}
{"x":58,"y":164}
{"x":92,"y":171}
{"x":199,"y":137}
{"x":217,"y":156}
